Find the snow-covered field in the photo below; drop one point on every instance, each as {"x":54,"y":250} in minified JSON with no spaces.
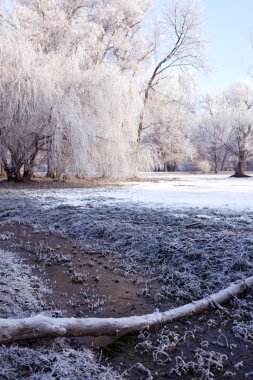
{"x":165,"y":190}
{"x":190,"y":235}
{"x":213,"y":191}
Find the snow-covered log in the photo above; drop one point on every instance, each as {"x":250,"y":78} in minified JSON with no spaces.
{"x":41,"y":326}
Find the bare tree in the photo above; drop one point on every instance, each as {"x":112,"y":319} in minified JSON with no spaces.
{"x":183,"y":44}
{"x":240,"y":103}
{"x":229,"y":125}
{"x":213,"y":132}
{"x":170,"y":111}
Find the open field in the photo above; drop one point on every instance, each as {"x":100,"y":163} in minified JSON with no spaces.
{"x":84,"y":250}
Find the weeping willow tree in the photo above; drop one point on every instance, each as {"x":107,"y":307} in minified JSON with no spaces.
{"x":75,"y":75}
{"x":87,"y":118}
{"x":76,"y":105}
{"x":27,"y":111}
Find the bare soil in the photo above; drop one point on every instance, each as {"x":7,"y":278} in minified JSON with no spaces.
{"x":82,"y":284}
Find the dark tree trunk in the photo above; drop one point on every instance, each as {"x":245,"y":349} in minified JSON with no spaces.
{"x":223,"y":161}
{"x":51,"y":173}
{"x":170,"y":167}
{"x":13,"y":173}
{"x":239,"y":169}
{"x":2,"y":171}
{"x":29,"y":165}
{"x":28,"y":173}
{"x":175,"y":166}
{"x":51,"y":170}
{"x":216,"y":170}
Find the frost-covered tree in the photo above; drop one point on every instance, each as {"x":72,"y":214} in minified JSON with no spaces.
{"x":92,"y":54}
{"x":26,"y":107}
{"x":229,"y":123}
{"x":239,"y":102}
{"x":110,"y":104}
{"x":96,"y":31}
{"x":35,"y":109}
{"x":100,"y":48}
{"x":213,"y":132}
{"x":169,"y":117}
{"x":179,"y":47}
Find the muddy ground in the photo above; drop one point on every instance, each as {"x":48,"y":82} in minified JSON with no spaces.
{"x":90,"y":258}
{"x":80,"y":284}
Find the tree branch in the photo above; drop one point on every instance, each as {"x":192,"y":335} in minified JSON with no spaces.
{"x":12,"y":330}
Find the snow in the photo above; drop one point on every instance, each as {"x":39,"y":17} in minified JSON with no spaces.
{"x":165,"y":190}
{"x":196,"y":191}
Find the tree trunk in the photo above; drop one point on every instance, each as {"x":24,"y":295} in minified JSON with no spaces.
{"x":216,"y":170}
{"x":27,"y":175}
{"x":12,"y":330}
{"x":18,"y":174}
{"x":223,"y":161}
{"x":28,"y":171}
{"x":2,"y":171}
{"x":175,"y":166}
{"x":51,"y":170}
{"x":239,"y":169}
{"x":13,"y":173}
{"x":29,"y":162}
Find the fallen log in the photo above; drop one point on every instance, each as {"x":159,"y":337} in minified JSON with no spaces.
{"x":39,"y":326}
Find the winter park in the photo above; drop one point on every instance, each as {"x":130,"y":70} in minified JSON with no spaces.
{"x":126,"y":189}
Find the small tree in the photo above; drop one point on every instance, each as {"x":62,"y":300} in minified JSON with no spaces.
{"x":229,"y":124}
{"x":212,"y":133}
{"x":239,"y":99}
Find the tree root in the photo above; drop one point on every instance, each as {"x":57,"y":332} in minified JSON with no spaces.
{"x":41,"y":326}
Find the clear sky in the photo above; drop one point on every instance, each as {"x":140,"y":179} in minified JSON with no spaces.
{"x":228,"y":26}
{"x":226,"y":29}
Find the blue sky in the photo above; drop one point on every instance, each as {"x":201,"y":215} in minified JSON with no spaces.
{"x":226,"y":29}
{"x":228,"y":25}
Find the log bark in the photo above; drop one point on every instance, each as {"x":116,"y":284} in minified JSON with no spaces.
{"x":39,"y":326}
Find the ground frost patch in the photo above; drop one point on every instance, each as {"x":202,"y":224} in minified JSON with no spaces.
{"x":186,"y":254}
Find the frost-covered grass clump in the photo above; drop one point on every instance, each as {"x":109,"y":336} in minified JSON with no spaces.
{"x":43,"y":253}
{"x":18,"y":363}
{"x":21,"y":293}
{"x":215,"y":344}
{"x":205,"y":365}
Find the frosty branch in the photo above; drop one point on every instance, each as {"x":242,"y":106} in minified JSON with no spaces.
{"x":12,"y":330}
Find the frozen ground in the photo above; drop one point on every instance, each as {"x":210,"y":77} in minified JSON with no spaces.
{"x":22,"y":295}
{"x":190,"y":235}
{"x":150,"y":222}
{"x":161,"y":190}
{"x":212,"y":191}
